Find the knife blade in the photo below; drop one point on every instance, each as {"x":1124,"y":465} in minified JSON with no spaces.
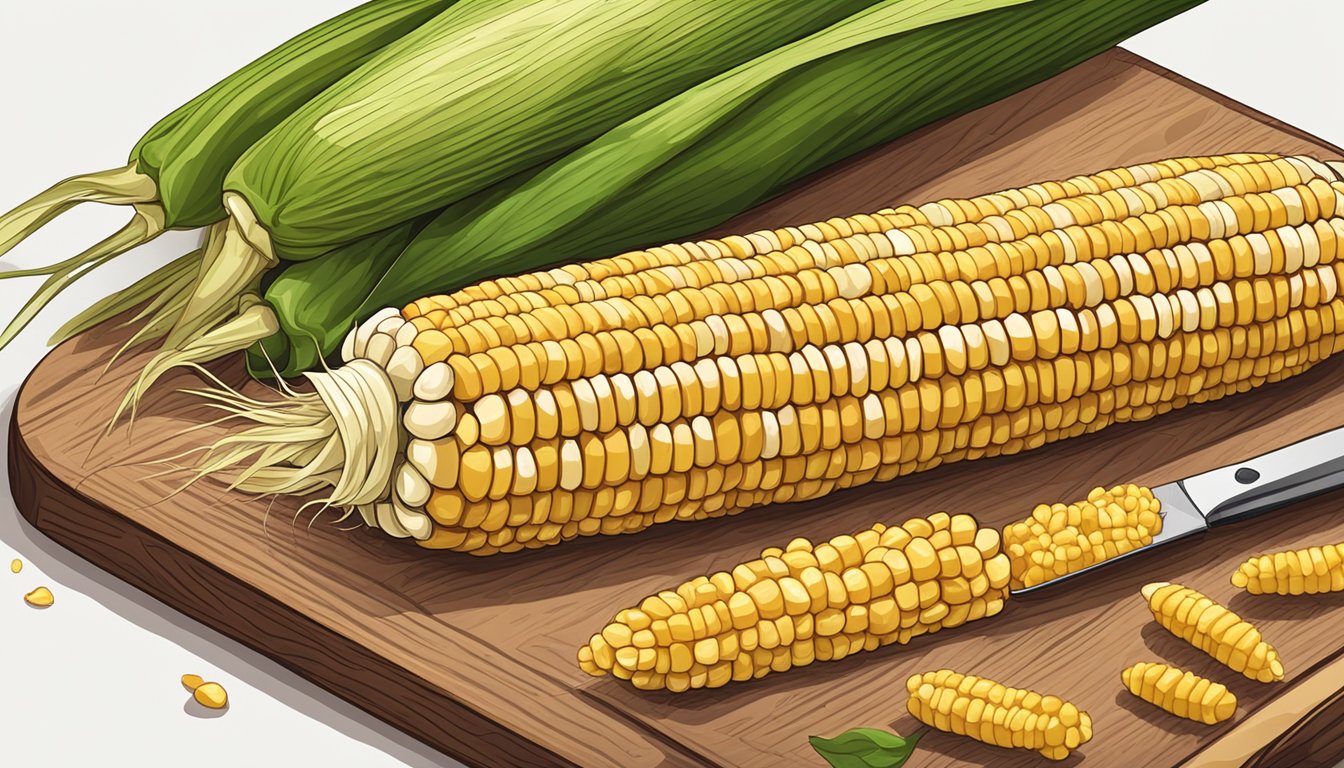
{"x":1238,"y":491}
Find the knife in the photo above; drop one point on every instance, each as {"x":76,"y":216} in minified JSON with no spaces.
{"x":1238,"y":491}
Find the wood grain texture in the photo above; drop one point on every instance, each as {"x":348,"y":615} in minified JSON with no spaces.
{"x":476,"y":656}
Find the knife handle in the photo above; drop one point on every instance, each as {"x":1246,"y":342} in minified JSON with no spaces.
{"x":1292,"y":473}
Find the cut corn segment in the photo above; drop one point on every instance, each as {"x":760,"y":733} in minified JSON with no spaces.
{"x":993,"y":713}
{"x":1310,"y":571}
{"x":806,"y":603}
{"x":1059,"y":539}
{"x":1213,"y":629}
{"x":1179,"y":692}
{"x":696,"y":380}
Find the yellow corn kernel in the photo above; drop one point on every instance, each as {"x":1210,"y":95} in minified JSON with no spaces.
{"x":1179,"y":692}
{"x":995,"y":714}
{"x":211,"y":695}
{"x":39,"y":598}
{"x":1310,"y":571}
{"x":1213,"y":629}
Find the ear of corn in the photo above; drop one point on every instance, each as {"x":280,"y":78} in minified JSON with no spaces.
{"x":1181,"y":693}
{"x":1059,"y":539}
{"x":699,"y":379}
{"x":177,"y":169}
{"x":716,"y":149}
{"x":801,"y":604}
{"x":1310,"y":571}
{"x":995,"y":714}
{"x":1213,"y":629}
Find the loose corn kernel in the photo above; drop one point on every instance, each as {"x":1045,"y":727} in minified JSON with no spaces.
{"x":15,"y":565}
{"x":1310,"y":571}
{"x":995,"y":714}
{"x":211,"y":695}
{"x":39,"y":598}
{"x":1181,"y":693}
{"x":1060,"y":539}
{"x":1213,"y":629}
{"x":802,"y":604}
{"x":192,"y":682}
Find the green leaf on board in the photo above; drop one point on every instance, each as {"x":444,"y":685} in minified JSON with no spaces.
{"x":866,"y":748}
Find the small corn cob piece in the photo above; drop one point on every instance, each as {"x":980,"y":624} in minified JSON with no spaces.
{"x":1181,"y":693}
{"x":1213,"y":629}
{"x":801,"y":604}
{"x":1310,"y":571}
{"x":1058,"y":539}
{"x":699,"y":379}
{"x":995,"y":714}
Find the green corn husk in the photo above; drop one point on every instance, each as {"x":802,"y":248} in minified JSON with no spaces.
{"x":189,"y":161}
{"x":313,"y":322}
{"x":483,"y":92}
{"x":487,"y":90}
{"x":730,"y":143}
{"x":308,"y":326}
{"x":176,"y":171}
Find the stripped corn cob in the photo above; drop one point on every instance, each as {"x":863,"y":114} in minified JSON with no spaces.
{"x":1310,"y":571}
{"x":804,"y":603}
{"x":1181,"y":693}
{"x":1059,"y":539}
{"x":1213,"y":629}
{"x":700,"y":379}
{"x":996,"y":714}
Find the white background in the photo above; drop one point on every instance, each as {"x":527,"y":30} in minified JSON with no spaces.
{"x":94,"y":679}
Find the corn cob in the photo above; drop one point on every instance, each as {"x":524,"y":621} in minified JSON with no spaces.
{"x":995,"y":714}
{"x":176,"y":171}
{"x":700,"y":379}
{"x":1213,"y":629}
{"x":1181,"y":693}
{"x":803,"y":603}
{"x":1310,"y":571}
{"x":1059,"y":539}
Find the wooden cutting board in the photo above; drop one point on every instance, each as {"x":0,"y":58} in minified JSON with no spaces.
{"x":476,"y":656}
